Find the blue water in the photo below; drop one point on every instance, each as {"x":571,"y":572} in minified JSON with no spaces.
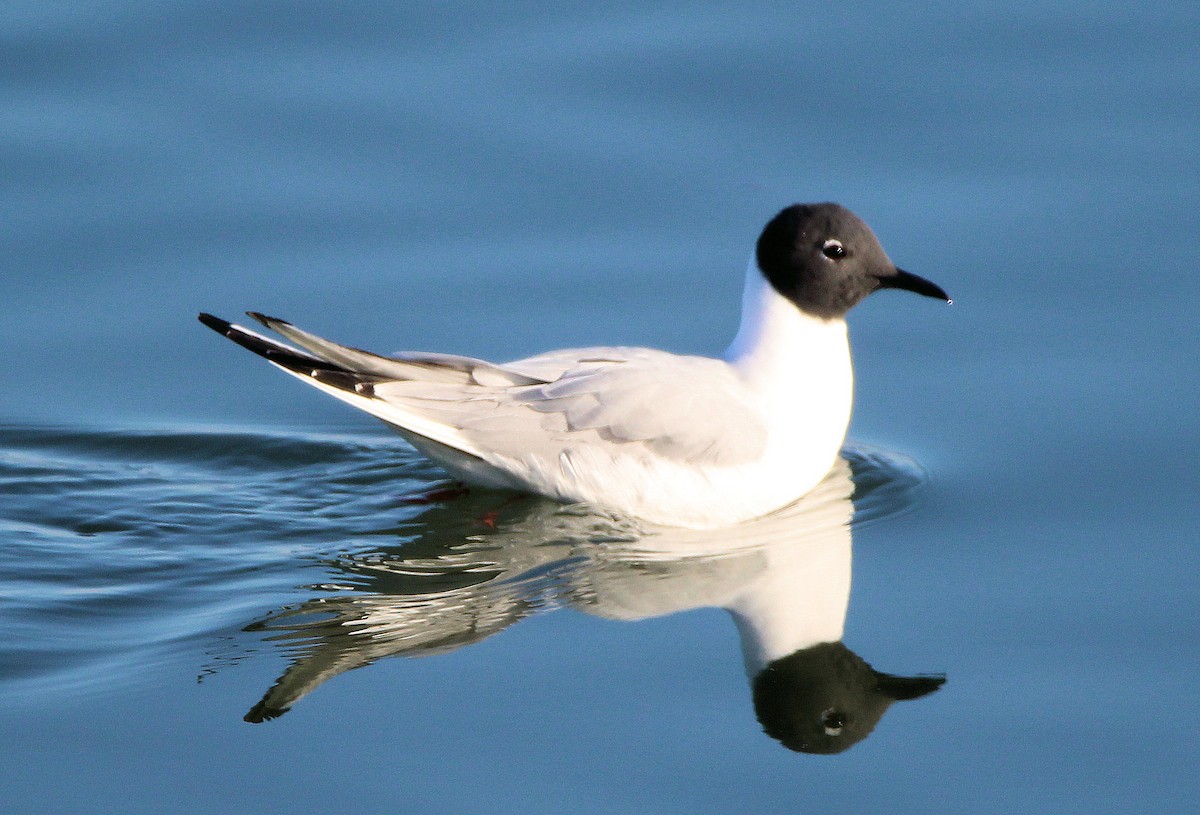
{"x":181,"y":526}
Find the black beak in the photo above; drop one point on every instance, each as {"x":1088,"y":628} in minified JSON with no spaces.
{"x":911,"y":282}
{"x":907,"y":687}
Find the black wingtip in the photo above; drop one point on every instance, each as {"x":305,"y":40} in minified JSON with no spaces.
{"x":263,"y":713}
{"x":285,"y":356}
{"x":215,"y":323}
{"x":266,"y":320}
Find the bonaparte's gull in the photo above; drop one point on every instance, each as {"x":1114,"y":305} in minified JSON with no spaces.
{"x":675,"y":440}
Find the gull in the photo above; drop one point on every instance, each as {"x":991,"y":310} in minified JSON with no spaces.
{"x":671,"y":439}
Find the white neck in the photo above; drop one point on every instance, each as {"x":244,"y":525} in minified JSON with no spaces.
{"x":777,"y":338}
{"x":797,"y":370}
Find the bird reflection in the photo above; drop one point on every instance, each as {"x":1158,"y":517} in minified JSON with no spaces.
{"x":468,"y":571}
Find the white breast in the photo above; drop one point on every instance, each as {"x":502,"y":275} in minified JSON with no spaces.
{"x":797,"y":369}
{"x":797,"y":373}
{"x":681,"y":441}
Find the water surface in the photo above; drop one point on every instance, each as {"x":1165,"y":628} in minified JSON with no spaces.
{"x":174,"y":514}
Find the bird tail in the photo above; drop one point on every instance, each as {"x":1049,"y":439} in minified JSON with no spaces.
{"x":352,"y":375}
{"x":299,"y":363}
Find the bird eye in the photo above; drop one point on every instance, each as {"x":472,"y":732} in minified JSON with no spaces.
{"x":833,"y":721}
{"x":833,"y":249}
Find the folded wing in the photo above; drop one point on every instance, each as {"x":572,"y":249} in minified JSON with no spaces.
{"x":615,"y":402}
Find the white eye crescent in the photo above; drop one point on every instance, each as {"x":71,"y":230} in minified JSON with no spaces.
{"x":833,"y":249}
{"x":832,"y":721}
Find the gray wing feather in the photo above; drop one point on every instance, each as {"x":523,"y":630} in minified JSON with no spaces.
{"x":553,"y":365}
{"x":687,"y":408}
{"x":676,"y":407}
{"x":680,"y":408}
{"x":425,"y":367}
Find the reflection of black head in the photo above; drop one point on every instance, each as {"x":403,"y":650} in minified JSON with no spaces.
{"x":825,"y":698}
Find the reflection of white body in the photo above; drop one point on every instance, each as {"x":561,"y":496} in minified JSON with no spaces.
{"x":785,"y":578}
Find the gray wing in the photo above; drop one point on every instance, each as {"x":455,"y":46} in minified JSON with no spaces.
{"x":554,"y":364}
{"x":679,"y":408}
{"x":687,"y":409}
{"x":425,"y":367}
{"x":683,"y":408}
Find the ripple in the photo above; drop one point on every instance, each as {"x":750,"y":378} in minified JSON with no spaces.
{"x":117,"y":541}
{"x":886,"y":484}
{"x":120,"y":543}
